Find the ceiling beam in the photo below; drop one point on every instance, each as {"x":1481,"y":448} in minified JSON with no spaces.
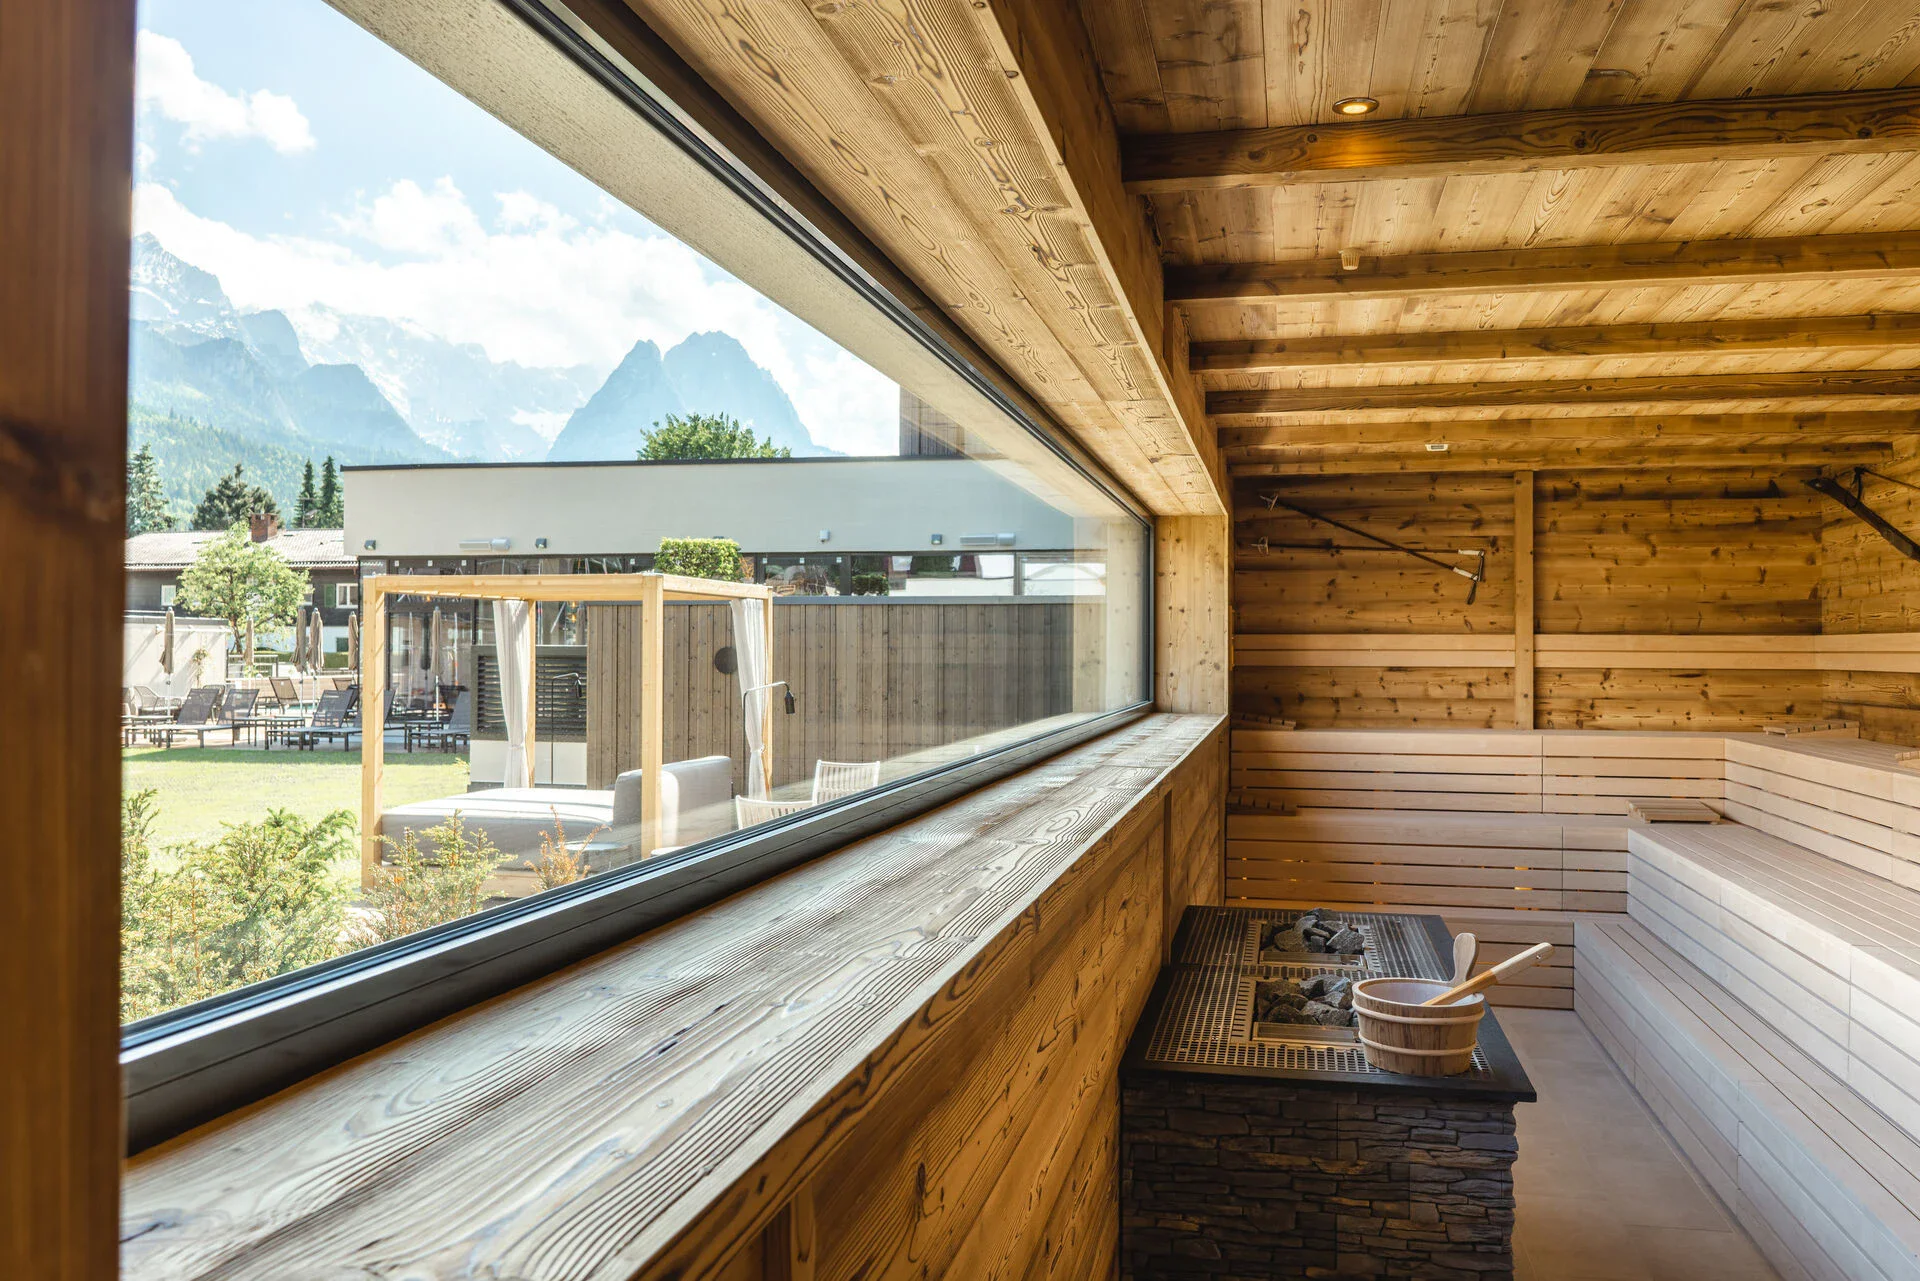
{"x":1656,"y":264}
{"x":1684,"y":338}
{"x":1635,"y":459}
{"x":1814,"y":385}
{"x":1251,"y":443}
{"x":1881,"y":120}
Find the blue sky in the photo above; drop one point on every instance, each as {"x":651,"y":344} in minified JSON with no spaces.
{"x":315,"y":170}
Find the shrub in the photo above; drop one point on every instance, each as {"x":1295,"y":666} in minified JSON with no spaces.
{"x":429,"y":878}
{"x":700,"y":558}
{"x":558,"y":865}
{"x":261,"y":900}
{"x":871,"y":585}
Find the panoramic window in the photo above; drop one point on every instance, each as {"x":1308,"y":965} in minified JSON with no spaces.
{"x":485,"y":538}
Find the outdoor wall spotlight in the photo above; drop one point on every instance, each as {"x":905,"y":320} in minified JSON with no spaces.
{"x":369,"y":544}
{"x":937,"y":539}
{"x":1359,"y":105}
{"x":825,"y":534}
{"x":540,"y":543}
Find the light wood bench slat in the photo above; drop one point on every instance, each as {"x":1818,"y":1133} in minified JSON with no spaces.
{"x":1772,"y":1130}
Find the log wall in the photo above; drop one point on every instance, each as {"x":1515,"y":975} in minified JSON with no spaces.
{"x":1624,"y":553}
{"x":1868,"y":587}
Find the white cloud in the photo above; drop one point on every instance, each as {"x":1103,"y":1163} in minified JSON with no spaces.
{"x":536,"y":287}
{"x":165,"y":81}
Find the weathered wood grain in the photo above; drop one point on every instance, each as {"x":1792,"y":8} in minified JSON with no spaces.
{"x":66,"y":111}
{"x":1450,"y":347}
{"x":1870,"y":122}
{"x":1880,"y":388}
{"x":1653,"y":264}
{"x":961,"y":141}
{"x":920,"y":1031}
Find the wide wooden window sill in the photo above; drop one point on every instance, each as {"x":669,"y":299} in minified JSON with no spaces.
{"x":647,"y":1110}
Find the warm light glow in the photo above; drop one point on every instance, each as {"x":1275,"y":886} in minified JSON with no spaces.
{"x":1356,"y":106}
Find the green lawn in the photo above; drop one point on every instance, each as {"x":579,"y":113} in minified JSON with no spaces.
{"x":200,"y":789}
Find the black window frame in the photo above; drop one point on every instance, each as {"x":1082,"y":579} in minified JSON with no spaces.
{"x":201,"y":1061}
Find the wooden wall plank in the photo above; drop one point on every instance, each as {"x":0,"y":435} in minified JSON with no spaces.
{"x":1523,"y":588}
{"x":66,"y":143}
{"x":950,"y":1108}
{"x":1192,"y":563}
{"x":909,"y":692}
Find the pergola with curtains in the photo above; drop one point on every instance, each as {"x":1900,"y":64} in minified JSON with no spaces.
{"x":514,"y":637}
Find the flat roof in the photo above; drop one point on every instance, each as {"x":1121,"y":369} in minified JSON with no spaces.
{"x":177,"y":548}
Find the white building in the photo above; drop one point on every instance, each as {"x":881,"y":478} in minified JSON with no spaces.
{"x":820,"y":526}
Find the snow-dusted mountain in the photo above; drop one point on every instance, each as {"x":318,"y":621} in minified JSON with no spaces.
{"x":707,"y":373}
{"x":210,"y":386}
{"x":453,"y":394}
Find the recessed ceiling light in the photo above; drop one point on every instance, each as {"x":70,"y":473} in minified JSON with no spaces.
{"x":1438,"y":447}
{"x":1359,"y":106}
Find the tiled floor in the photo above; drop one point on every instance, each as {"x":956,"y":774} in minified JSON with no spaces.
{"x":1603,"y":1193}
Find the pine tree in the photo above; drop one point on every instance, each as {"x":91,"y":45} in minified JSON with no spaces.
{"x":146,"y":497}
{"x":331,"y":509}
{"x":231,"y":501}
{"x":305,"y":509}
{"x":705,"y":436}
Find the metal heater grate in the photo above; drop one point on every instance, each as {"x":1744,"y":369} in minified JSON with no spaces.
{"x":1207,"y":1019}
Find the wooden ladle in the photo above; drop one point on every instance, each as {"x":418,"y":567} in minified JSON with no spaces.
{"x":1498,"y":974}
{"x":1466,"y":948}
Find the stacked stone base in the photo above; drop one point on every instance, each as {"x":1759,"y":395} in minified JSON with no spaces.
{"x":1240,"y":1178}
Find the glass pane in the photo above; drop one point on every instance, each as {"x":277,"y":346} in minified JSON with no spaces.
{"x":423,"y":392}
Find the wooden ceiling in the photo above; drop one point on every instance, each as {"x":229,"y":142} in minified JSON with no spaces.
{"x":1574,"y":233}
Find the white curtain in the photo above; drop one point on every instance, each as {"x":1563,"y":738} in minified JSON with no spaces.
{"x":513,"y":642}
{"x":750,"y":653}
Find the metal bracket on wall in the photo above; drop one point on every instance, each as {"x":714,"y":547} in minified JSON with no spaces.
{"x":1475,"y":576}
{"x":1851,"y":500}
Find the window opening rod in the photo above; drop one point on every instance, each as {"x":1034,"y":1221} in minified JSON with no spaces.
{"x":1476,"y":575}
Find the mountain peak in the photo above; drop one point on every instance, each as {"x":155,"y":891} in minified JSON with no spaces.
{"x":705,"y":373}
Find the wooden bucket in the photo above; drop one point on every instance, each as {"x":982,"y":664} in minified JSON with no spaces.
{"x":1398,"y":1034}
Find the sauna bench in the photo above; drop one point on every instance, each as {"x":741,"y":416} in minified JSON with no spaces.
{"x":947,"y":1000}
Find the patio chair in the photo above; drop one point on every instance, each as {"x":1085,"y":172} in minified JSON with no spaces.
{"x":199,"y":715}
{"x":151,"y":702}
{"x":835,"y":779}
{"x":345,"y":682}
{"x":441,"y":736}
{"x":339,"y":721}
{"x":133,"y":719}
{"x":748,"y":810}
{"x":331,"y":713}
{"x":285,"y":693}
{"x":241,"y":709}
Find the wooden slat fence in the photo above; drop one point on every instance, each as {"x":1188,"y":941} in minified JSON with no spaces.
{"x":871,"y":681}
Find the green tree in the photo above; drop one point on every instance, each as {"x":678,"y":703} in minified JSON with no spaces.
{"x":697,"y":436}
{"x":146,"y":497}
{"x":237,"y":579}
{"x":307,"y":505}
{"x":330,"y":510}
{"x":263,"y":899}
{"x":233,"y":499}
